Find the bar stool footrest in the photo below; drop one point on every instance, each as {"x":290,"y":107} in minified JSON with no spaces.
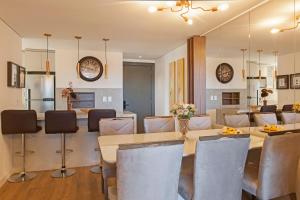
{"x":21,"y":177}
{"x":63,"y":173}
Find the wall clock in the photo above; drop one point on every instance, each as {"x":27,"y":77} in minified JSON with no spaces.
{"x":90,"y":68}
{"x":224,"y":73}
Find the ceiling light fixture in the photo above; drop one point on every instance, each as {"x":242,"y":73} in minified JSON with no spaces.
{"x":184,"y":7}
{"x":47,"y":35}
{"x":77,"y":66}
{"x":243,"y":70}
{"x":276,"y":30}
{"x":259,"y":51}
{"x":105,"y":66}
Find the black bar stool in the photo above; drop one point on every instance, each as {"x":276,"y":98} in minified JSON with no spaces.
{"x":94,"y":116}
{"x":20,"y":122}
{"x":63,"y":122}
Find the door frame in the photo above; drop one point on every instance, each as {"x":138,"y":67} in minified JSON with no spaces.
{"x":142,"y":64}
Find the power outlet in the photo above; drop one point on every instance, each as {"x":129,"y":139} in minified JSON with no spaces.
{"x":104,"y":99}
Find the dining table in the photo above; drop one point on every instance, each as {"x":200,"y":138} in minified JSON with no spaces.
{"x":109,"y":144}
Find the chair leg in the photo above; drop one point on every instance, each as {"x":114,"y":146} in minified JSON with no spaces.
{"x":63,"y":172}
{"x":293,"y":196}
{"x":22,"y":176}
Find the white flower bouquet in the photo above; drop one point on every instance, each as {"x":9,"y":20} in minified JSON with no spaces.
{"x":183,"y":111}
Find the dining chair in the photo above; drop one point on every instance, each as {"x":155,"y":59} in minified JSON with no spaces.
{"x":159,"y":124}
{"x":113,"y":126}
{"x":262,"y":119}
{"x":274,"y":172}
{"x":216,"y":171}
{"x":269,"y":108}
{"x":148,"y":171}
{"x":287,"y":108}
{"x":200,"y":123}
{"x":290,"y":117}
{"x":238,"y":120}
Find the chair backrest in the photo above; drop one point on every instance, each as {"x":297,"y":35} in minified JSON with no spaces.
{"x":116,"y":126}
{"x":239,"y":120}
{"x":200,"y":123}
{"x":290,"y":117}
{"x":219,"y":167}
{"x":18,"y":121}
{"x":262,"y":119}
{"x":95,"y":115}
{"x":149,"y":171}
{"x":287,"y":108}
{"x":159,"y":124}
{"x":269,"y":108}
{"x":60,"y":121}
{"x":278,"y":166}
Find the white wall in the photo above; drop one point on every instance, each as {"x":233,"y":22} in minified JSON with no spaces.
{"x":10,"y":98}
{"x":162,"y":78}
{"x":288,"y":64}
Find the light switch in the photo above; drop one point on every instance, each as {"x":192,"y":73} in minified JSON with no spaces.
{"x":211,"y":98}
{"x":215,"y":98}
{"x":104,"y":99}
{"x":109,"y":99}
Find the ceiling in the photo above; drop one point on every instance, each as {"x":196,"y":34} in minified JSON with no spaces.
{"x":229,"y":39}
{"x":131,"y":28}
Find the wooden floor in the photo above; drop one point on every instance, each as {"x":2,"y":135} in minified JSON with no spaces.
{"x":84,"y":185}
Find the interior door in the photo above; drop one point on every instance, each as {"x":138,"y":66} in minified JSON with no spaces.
{"x":138,"y":91}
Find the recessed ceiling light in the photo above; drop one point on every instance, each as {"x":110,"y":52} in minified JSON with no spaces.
{"x":190,"y":21}
{"x":223,"y":6}
{"x":140,"y":56}
{"x":152,"y":9}
{"x":274,"y":30}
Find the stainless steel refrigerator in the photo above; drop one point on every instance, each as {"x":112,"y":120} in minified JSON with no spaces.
{"x":40,"y":91}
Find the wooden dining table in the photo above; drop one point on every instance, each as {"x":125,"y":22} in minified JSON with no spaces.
{"x":109,"y":144}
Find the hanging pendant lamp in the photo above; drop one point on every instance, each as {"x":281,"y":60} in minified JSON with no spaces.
{"x":259,"y":63}
{"x":105,"y":66}
{"x":243,"y":70}
{"x":78,"y":64}
{"x":47,"y":35}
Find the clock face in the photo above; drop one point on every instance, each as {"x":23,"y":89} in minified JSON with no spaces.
{"x":224,"y":73}
{"x":90,"y":68}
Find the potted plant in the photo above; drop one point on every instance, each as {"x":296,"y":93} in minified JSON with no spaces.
{"x":183,"y":112}
{"x":264,"y":93}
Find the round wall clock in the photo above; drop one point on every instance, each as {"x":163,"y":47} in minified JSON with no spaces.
{"x":224,"y":73}
{"x":90,"y":68}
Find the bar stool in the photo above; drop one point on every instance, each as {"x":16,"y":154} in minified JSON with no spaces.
{"x":94,"y":116}
{"x":63,"y":122}
{"x":20,"y":122}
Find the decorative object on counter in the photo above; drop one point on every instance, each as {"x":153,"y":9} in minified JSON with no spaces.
{"x":183,"y":112}
{"x":47,"y":35}
{"x":90,"y":68}
{"x":12,"y":74}
{"x":275,"y":67}
{"x":243,"y":70}
{"x":230,"y":131}
{"x":259,"y":51}
{"x":69,"y":94}
{"x":78,"y":38}
{"x":105,"y":65}
{"x":21,"y":77}
{"x":282,"y":82}
{"x":295,"y":81}
{"x":224,"y":73}
{"x":272,"y":128}
{"x":296,"y":107}
{"x":264,"y":93}
{"x":296,"y":24}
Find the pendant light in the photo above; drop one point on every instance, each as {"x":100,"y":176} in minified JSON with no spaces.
{"x":259,"y":64}
{"x":105,"y":66}
{"x":243,"y":70}
{"x":77,"y":66}
{"x":275,"y":67}
{"x":47,"y":35}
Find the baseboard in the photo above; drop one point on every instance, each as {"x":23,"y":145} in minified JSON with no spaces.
{"x":3,"y":180}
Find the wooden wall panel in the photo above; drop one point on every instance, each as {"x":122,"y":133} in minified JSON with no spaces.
{"x":180,"y":81}
{"x":172,"y":92}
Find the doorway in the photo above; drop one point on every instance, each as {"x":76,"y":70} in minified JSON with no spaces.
{"x":138,"y":90}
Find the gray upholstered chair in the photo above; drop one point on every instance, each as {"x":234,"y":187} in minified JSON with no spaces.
{"x":272,"y":171}
{"x":262,"y":119}
{"x":159,"y":124}
{"x":148,"y":171}
{"x":113,"y":126}
{"x":200,"y":123}
{"x":239,"y":120}
{"x":216,"y":171}
{"x":290,"y":117}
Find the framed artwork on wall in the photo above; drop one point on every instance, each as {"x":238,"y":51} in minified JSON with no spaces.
{"x":283,"y":82}
{"x":21,"y":77}
{"x":12,"y":74}
{"x":295,"y":81}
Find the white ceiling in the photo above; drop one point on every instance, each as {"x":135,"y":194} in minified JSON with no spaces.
{"x":128,"y":24}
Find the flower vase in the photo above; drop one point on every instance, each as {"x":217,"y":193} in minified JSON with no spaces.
{"x":183,"y":126}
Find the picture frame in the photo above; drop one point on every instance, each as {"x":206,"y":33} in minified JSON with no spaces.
{"x":295,"y":81}
{"x":21,"y":77}
{"x":282,"y":82}
{"x":12,"y":74}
